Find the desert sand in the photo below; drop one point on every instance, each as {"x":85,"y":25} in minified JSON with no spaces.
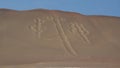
{"x":35,"y":38}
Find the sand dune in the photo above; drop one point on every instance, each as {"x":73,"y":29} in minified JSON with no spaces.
{"x":57,"y":38}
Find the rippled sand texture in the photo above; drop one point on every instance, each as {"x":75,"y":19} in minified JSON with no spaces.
{"x":57,"y":38}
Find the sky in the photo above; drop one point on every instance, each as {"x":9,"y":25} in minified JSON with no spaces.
{"x":86,"y":7}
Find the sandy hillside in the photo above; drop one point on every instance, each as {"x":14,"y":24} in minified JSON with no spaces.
{"x":57,"y":38}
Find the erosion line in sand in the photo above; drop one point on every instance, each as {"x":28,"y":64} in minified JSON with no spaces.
{"x":82,"y":30}
{"x":63,"y":36}
{"x":37,"y":26}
